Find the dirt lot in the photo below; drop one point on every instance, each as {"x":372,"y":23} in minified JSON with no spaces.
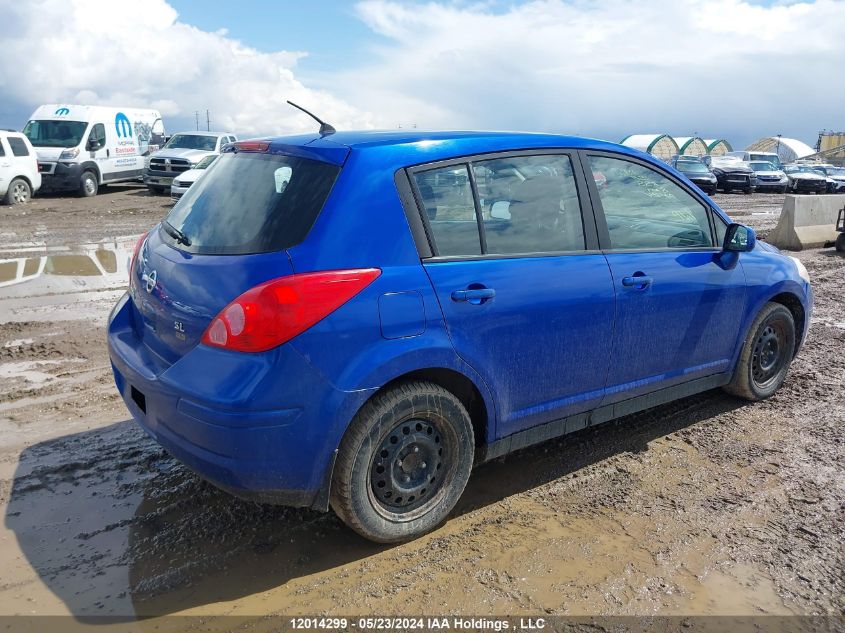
{"x":706,"y":506}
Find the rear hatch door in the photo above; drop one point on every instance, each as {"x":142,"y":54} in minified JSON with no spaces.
{"x":227,"y":234}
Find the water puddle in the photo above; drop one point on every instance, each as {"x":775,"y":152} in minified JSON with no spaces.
{"x":41,"y":282}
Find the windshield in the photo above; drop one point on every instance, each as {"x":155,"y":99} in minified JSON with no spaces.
{"x":769,"y":158}
{"x":836,"y":171}
{"x":252,"y":203}
{"x":55,"y":133}
{"x":762,"y":166}
{"x":205,"y":162}
{"x":192,"y":141}
{"x":692,"y":167}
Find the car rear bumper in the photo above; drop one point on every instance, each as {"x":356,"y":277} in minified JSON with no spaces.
{"x":260,"y":426}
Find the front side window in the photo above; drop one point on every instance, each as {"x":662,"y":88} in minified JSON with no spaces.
{"x":644,"y":209}
{"x":446,"y":196}
{"x":97,"y":137}
{"x":2,"y":151}
{"x":529,"y":204}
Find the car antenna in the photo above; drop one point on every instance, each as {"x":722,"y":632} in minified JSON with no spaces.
{"x":325,"y":128}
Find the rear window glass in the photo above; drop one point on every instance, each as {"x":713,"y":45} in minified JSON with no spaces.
{"x":18,"y":146}
{"x":252,"y":203}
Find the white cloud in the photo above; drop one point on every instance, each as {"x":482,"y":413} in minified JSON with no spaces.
{"x":137,"y":53}
{"x":609,"y":68}
{"x":600,"y":67}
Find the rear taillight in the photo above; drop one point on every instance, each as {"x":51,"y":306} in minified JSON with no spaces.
{"x":274,"y":312}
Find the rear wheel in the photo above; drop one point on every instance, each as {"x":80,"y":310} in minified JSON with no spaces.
{"x":766,"y":354}
{"x":840,"y":242}
{"x":19,"y":192}
{"x":88,"y":184}
{"x":403,"y":463}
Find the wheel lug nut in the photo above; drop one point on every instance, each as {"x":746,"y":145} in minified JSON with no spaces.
{"x":422,"y":465}
{"x":416,"y":449}
{"x":399,"y":462}
{"x":406,"y":479}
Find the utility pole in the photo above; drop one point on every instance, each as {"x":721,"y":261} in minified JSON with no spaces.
{"x":777,"y":151}
{"x":207,"y":121}
{"x":197,"y":119}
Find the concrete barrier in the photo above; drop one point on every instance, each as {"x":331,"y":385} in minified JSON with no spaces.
{"x":806,"y":222}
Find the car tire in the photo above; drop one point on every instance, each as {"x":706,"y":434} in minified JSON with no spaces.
{"x":403,"y":463}
{"x":766,"y":354}
{"x":782,"y":190}
{"x":19,"y":192}
{"x":840,"y":243}
{"x":88,"y":185}
{"x":747,"y":192}
{"x":156,"y":191}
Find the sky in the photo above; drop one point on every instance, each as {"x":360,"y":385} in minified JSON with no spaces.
{"x":716,"y":68}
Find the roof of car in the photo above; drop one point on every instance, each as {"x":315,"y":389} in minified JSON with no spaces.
{"x":409,"y":147}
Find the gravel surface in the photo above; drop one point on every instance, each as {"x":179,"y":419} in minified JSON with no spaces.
{"x":709,"y":505}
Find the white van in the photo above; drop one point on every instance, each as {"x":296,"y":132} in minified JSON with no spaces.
{"x":82,"y":147}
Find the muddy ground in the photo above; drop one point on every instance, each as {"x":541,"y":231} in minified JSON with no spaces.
{"x":709,"y":505}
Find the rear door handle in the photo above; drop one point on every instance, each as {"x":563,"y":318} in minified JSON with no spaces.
{"x":473,"y":295}
{"x":637,"y":281}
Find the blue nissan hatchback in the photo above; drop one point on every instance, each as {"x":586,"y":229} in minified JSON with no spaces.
{"x":357,"y":319}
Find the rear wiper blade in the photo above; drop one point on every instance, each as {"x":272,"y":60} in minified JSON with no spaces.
{"x":175,"y":233}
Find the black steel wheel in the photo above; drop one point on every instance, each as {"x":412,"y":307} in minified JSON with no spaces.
{"x":766,"y":354}
{"x":406,"y":473}
{"x":403,"y":463}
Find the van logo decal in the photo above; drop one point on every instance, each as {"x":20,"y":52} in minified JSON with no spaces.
{"x":62,"y":111}
{"x":122,"y":125}
{"x":150,"y":281}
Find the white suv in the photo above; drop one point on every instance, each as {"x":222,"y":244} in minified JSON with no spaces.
{"x":19,"y":177}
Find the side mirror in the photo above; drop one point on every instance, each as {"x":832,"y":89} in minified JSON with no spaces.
{"x":739,"y":238}
{"x":93,"y":145}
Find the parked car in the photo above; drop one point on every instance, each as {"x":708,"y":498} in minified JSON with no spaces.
{"x":834,"y":176}
{"x":19,"y":177}
{"x":339,"y":320}
{"x":698,"y":173}
{"x":837,"y":175}
{"x":180,"y":184}
{"x":804,"y":179}
{"x":769,"y":177}
{"x":733,"y":174}
{"x":81,"y":148}
{"x":747,"y":157}
{"x":182,"y":152}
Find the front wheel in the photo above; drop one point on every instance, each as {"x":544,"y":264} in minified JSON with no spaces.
{"x":88,"y":184}
{"x":766,"y":354}
{"x":403,"y":463}
{"x":840,"y":243}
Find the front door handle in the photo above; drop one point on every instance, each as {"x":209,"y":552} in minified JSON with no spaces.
{"x":638,"y":282}
{"x":473,"y":295}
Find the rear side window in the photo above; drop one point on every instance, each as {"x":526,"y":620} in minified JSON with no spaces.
{"x":529,"y":204}
{"x":252,"y":203}
{"x":2,"y":149}
{"x":446,"y":196}
{"x":18,"y":147}
{"x":646,"y":210}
